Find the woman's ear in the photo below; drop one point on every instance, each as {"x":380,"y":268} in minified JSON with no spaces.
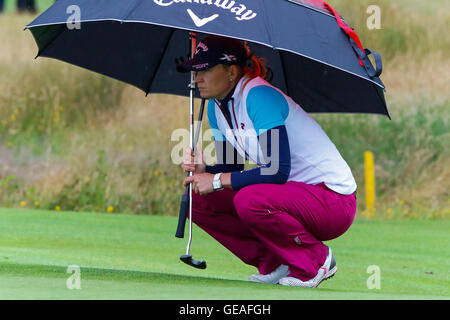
{"x":234,"y":71}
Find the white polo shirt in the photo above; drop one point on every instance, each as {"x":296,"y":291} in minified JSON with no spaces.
{"x":258,"y":107}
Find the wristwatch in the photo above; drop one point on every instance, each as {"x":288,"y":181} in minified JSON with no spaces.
{"x":217,"y":185}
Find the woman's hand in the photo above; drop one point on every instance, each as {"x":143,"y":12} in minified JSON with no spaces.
{"x":190,"y":164}
{"x":201,"y":183}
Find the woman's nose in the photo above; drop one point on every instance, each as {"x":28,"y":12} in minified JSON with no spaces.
{"x":197,"y":78}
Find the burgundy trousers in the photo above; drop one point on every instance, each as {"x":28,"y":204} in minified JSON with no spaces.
{"x":266,"y":225}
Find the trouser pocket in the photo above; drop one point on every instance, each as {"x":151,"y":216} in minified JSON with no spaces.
{"x":290,"y":230}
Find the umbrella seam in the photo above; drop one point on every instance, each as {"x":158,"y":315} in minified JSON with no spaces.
{"x":283,"y":68}
{"x":147,"y":89}
{"x":383,"y":99}
{"x":138,"y":2}
{"x":269,"y":23}
{"x":50,"y":42}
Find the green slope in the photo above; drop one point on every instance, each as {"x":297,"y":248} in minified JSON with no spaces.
{"x":137,"y":257}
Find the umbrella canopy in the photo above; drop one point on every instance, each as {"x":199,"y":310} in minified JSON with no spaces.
{"x":315,"y":58}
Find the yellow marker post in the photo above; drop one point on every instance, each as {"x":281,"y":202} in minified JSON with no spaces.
{"x":370,"y":183}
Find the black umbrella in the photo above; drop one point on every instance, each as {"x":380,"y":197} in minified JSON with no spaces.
{"x":315,"y":58}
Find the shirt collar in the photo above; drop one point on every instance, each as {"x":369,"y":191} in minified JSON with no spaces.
{"x":225,"y":101}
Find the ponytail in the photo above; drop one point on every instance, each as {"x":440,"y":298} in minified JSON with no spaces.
{"x":255,"y":67}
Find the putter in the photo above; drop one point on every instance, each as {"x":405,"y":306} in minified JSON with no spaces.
{"x":184,"y":206}
{"x":187,"y":258}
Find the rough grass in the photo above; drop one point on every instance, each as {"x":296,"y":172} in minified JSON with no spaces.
{"x":79,"y":141}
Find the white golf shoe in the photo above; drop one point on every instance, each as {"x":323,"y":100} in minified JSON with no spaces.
{"x":273,"y":277}
{"x":326,"y":271}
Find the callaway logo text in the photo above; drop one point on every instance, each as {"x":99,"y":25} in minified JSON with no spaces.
{"x":240,"y":10}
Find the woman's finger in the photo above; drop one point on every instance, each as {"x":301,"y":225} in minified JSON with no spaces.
{"x":198,"y":149}
{"x":188,"y":180}
{"x":188,"y":161}
{"x":188,"y":153}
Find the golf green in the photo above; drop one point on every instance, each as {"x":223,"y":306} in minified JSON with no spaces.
{"x":68,"y":255}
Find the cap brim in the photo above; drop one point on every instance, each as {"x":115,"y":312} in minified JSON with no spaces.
{"x":194,"y":64}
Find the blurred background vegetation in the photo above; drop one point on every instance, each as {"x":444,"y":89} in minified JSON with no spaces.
{"x":74,"y":140}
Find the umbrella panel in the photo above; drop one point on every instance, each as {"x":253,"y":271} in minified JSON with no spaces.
{"x":143,"y":55}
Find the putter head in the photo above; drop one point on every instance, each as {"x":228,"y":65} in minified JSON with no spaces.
{"x":187,"y":258}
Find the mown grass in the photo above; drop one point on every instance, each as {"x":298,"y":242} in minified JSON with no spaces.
{"x":74,"y":140}
{"x":137,"y":257}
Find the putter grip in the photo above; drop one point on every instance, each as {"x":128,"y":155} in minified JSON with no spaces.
{"x":184,"y":210}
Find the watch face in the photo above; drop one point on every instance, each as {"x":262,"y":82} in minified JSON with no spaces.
{"x":216,"y":182}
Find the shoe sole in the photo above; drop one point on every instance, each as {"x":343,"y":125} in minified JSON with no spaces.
{"x":330,"y":274}
{"x":255,"y":279}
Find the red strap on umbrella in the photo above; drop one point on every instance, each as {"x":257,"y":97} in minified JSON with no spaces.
{"x":349,"y":31}
{"x":325,"y":6}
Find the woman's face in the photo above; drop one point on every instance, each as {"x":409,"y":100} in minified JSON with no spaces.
{"x":215,"y":83}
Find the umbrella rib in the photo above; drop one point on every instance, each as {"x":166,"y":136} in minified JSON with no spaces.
{"x":283,"y":68}
{"x":147,"y":88}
